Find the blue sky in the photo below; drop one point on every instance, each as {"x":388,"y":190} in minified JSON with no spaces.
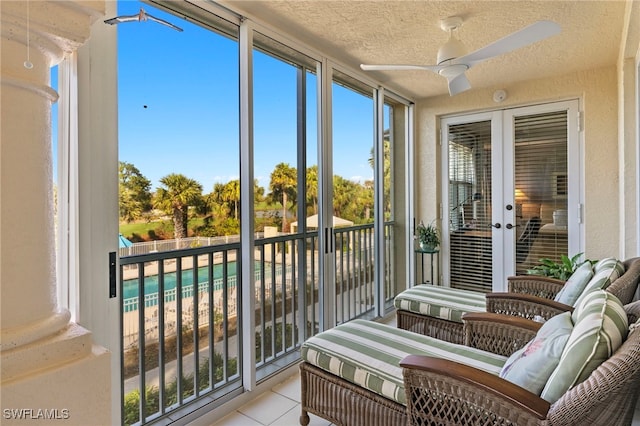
{"x":178,"y":107}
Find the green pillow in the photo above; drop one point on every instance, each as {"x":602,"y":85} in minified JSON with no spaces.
{"x":599,"y":329}
{"x":531,"y":366}
{"x":601,"y":280}
{"x":608,"y":262}
{"x":575,"y":285}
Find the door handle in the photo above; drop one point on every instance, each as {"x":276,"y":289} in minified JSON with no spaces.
{"x":509,"y":226}
{"x":497,"y":225}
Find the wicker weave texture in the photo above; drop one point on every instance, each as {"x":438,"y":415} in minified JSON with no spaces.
{"x":344,"y":403}
{"x":449,"y":331}
{"x":498,"y":338}
{"x":625,"y":287}
{"x":440,"y":400}
{"x":522,"y":308}
{"x":535,"y":285}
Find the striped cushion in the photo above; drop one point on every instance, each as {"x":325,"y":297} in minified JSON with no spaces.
{"x":599,"y":329}
{"x":608,"y":262}
{"x":602,"y":278}
{"x":368,"y":354}
{"x":440,"y":302}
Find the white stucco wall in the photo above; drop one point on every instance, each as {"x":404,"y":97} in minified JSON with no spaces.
{"x":597,"y":92}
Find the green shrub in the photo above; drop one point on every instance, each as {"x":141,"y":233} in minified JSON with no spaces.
{"x":561,"y":270}
{"x":152,"y":393}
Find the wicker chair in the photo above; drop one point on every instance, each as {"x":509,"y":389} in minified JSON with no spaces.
{"x":442,"y":392}
{"x":528,"y":296}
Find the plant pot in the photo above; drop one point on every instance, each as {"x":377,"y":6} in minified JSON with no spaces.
{"x":427,"y":247}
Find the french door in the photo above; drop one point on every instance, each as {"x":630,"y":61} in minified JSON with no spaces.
{"x":512,"y":192}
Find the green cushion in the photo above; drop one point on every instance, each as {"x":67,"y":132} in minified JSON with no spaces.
{"x":599,"y":329}
{"x":368,"y":354}
{"x":602,"y":278}
{"x":575,"y":285}
{"x":440,"y":302}
{"x":608,"y":262}
{"x":531,"y":366}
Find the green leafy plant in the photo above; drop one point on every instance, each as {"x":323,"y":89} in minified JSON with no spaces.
{"x":427,"y":235}
{"x":561,"y":270}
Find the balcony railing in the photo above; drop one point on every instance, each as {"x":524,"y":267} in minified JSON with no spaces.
{"x":182,"y":344}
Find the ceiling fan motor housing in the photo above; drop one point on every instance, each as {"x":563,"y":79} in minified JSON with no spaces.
{"x":452,"y":49}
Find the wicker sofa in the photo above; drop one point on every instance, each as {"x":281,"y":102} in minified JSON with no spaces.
{"x":437,"y":311}
{"x":436,"y":389}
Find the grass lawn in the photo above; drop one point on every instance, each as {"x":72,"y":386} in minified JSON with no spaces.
{"x":142,"y":228}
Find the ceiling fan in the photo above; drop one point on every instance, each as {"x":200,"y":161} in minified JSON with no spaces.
{"x":453,"y":60}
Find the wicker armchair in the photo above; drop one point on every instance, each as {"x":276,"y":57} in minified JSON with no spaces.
{"x":530,"y":296}
{"x":442,"y":392}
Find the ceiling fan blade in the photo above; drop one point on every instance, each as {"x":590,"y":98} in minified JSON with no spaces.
{"x":459,"y":84}
{"x":434,"y":68}
{"x":526,"y":36}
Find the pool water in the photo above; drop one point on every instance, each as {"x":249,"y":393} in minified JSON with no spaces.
{"x":130,"y":287}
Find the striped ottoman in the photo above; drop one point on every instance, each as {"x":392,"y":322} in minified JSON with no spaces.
{"x":437,"y":311}
{"x":367,"y":354}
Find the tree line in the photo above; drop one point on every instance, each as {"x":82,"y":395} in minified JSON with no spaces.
{"x":181,"y":198}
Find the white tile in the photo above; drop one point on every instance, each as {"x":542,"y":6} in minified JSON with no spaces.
{"x":292,"y":418}
{"x":236,"y":419}
{"x":267,"y":407}
{"x":289,"y":388}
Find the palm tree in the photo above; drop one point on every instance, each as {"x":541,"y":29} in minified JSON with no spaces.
{"x":231,"y":194}
{"x":312,"y":187}
{"x":179,"y":192}
{"x":282,"y":186}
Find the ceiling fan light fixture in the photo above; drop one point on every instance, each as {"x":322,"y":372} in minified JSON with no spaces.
{"x":452,"y":71}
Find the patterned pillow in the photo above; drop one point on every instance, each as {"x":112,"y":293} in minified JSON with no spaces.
{"x":600,"y":281}
{"x":599,"y":329}
{"x":575,"y":285}
{"x":531,"y":366}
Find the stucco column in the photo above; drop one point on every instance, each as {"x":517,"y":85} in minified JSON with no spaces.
{"x":50,"y":368}
{"x":27,"y":271}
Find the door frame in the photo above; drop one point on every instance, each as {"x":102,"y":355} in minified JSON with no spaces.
{"x":502,"y":166}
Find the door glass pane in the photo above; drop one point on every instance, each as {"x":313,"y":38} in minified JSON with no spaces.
{"x":353,"y":183}
{"x":541,"y":188}
{"x":395,"y":253}
{"x":469,"y":209}
{"x":284,"y":119}
{"x":178,"y":143}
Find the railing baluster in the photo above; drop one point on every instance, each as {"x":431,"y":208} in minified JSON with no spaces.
{"x":211,"y":289}
{"x":196,"y":327}
{"x":179,"y":329}
{"x":161,"y":346}
{"x":141,"y":346}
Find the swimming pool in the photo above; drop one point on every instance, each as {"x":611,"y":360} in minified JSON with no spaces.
{"x":130,"y":287}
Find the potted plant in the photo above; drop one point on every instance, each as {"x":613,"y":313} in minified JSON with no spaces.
{"x":427,"y":236}
{"x":561,"y":270}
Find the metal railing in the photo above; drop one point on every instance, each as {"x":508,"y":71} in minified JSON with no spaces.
{"x":183,"y":343}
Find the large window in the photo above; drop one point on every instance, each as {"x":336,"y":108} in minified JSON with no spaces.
{"x":225,"y":181}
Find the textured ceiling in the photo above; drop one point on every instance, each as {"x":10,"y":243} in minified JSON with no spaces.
{"x":408,"y":32}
